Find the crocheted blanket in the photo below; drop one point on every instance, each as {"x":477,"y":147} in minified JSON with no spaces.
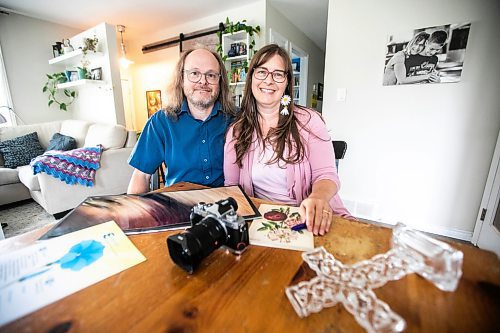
{"x":77,"y":166}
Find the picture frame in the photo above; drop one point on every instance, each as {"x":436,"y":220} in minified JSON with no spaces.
{"x":96,"y":73}
{"x":73,"y":76}
{"x":153,"y":101}
{"x":320,"y":91}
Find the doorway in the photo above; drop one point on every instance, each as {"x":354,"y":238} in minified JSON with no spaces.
{"x":487,"y":230}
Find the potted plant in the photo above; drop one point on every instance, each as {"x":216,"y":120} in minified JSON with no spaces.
{"x":51,"y":87}
{"x":90,"y":44}
{"x":230,"y":27}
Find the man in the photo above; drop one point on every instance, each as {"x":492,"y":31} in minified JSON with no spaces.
{"x":188,"y":136}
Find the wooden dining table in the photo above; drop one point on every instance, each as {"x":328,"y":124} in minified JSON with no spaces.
{"x":246,"y":293}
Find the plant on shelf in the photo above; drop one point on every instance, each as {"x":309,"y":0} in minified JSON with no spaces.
{"x":51,"y":88}
{"x":231,"y":28}
{"x":90,"y":44}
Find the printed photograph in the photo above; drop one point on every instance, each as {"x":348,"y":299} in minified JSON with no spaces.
{"x":426,"y":55}
{"x":149,"y":212}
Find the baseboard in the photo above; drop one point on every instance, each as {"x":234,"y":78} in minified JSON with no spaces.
{"x":437,"y":230}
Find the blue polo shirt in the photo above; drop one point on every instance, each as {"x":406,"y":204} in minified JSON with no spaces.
{"x":192,"y":149}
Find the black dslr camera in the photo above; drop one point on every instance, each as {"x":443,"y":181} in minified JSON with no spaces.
{"x":212,"y":226}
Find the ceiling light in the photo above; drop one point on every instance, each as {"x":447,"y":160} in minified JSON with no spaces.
{"x":123,"y":60}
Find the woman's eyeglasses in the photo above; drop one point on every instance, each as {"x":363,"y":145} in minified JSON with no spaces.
{"x":195,"y":76}
{"x":262,"y":73}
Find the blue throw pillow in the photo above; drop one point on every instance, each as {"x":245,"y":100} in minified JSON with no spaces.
{"x":61,"y":142}
{"x":21,"y":150}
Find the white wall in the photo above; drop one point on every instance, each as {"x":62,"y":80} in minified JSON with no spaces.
{"x":419,"y":154}
{"x":316,"y":67}
{"x":152,"y":71}
{"x":27,"y":47}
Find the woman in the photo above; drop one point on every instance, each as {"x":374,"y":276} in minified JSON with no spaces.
{"x":279,"y":151}
{"x":397,"y":69}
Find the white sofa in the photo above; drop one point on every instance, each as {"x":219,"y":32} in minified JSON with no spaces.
{"x":54,"y":195}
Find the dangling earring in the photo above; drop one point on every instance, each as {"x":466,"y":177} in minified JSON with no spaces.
{"x":285,"y":101}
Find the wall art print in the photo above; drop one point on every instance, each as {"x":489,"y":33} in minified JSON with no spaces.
{"x":153,"y":100}
{"x":426,"y":55}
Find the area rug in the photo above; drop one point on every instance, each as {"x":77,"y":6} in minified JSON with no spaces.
{"x":22,"y":217}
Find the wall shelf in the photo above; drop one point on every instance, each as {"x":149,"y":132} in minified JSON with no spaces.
{"x":73,"y":58}
{"x":78,"y":83}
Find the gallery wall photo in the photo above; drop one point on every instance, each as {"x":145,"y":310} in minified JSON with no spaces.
{"x":426,"y":55}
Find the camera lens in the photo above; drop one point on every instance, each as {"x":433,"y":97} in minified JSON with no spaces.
{"x":187,"y":249}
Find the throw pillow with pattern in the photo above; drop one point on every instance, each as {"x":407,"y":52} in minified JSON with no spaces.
{"x":21,"y":150}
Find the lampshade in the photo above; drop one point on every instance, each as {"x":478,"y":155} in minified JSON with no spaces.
{"x":123,"y":60}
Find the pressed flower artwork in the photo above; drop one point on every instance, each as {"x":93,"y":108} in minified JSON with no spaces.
{"x":276,"y":229}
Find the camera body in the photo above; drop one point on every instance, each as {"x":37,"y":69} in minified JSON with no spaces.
{"x":212,"y":226}
{"x":235,"y":226}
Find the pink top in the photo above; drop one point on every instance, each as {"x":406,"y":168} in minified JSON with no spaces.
{"x":318,"y":162}
{"x":269,"y":180}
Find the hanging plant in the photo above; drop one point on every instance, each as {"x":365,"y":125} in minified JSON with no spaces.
{"x":230,"y":27}
{"x":51,"y":88}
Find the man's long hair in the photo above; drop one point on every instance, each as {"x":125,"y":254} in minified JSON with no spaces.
{"x":286,"y":134}
{"x":176,"y":91}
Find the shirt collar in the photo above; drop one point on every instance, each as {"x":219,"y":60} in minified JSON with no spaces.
{"x":185,"y":108}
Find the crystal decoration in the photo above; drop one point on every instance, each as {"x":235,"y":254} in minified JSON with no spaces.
{"x":412,"y":252}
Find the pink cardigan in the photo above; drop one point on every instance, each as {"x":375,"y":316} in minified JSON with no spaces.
{"x":318,"y":162}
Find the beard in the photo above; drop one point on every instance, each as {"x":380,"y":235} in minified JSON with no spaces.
{"x":202,"y":101}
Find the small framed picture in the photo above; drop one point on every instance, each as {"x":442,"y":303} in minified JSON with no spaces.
{"x":73,"y":76}
{"x":320,"y":91}
{"x":153,"y":101}
{"x":96,"y":73}
{"x":55,"y":51}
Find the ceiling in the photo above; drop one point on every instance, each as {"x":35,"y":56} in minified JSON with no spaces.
{"x":143,"y":16}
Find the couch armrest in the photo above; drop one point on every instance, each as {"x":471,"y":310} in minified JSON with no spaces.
{"x":131,"y":139}
{"x":111,"y":178}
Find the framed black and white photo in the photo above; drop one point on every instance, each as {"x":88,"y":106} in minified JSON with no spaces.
{"x":426,"y":55}
{"x":96,"y":73}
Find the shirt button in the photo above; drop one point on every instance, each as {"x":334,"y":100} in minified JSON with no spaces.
{"x":202,"y":141}
{"x":207,"y":177}
{"x":205,"y":160}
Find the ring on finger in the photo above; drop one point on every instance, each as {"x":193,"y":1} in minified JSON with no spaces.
{"x":326,"y":212}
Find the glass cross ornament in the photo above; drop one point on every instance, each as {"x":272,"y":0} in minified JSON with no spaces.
{"x":411,"y":252}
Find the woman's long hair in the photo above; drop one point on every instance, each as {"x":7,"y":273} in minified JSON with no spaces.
{"x":286,"y":134}
{"x":176,"y":91}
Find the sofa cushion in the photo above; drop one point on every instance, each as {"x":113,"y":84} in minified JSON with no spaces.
{"x":109,"y":136}
{"x":76,"y":129}
{"x":21,"y":150}
{"x":61,"y":142}
{"x":44,"y":130}
{"x":8,"y":176}
{"x":27,"y":177}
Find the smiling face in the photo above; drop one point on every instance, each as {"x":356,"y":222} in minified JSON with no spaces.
{"x":417,"y":47}
{"x":431,"y":49}
{"x":201,"y":94}
{"x":267,"y":92}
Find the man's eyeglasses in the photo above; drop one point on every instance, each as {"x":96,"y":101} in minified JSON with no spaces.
{"x":261,"y":73}
{"x":195,"y":76}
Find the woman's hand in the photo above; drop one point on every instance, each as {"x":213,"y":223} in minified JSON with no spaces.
{"x":317,"y":215}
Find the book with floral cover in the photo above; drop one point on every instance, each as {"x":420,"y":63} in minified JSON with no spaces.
{"x":275,"y":229}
